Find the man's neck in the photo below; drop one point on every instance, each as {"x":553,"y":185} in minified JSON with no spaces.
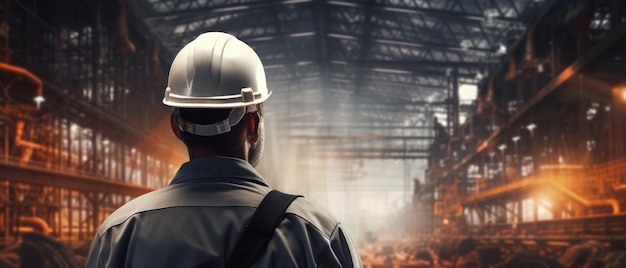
{"x":199,"y":153}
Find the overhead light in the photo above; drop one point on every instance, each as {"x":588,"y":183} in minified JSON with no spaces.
{"x":501,"y":49}
{"x":620,"y":91}
{"x":531,"y":127}
{"x":304,"y":34}
{"x":466,"y":43}
{"x":393,"y":71}
{"x":448,"y":71}
{"x":229,"y":9}
{"x":262,"y":38}
{"x":502,"y":147}
{"x":515,"y":139}
{"x":342,"y":36}
{"x":490,"y":15}
{"x":300,"y":63}
{"x":479,"y":76}
{"x":38,"y":100}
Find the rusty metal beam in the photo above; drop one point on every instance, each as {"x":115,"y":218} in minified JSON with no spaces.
{"x":82,"y":182}
{"x":540,"y":183}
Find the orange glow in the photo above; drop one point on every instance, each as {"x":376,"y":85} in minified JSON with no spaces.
{"x":620,"y":91}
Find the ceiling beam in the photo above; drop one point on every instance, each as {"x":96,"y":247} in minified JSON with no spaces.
{"x":398,"y":64}
{"x":228,"y":8}
{"x":404,"y":70}
{"x":429,"y":12}
{"x":363,"y":39}
{"x":357,"y":137}
{"x":373,"y":156}
{"x":355,"y":126}
{"x":409,"y":64}
{"x":414,"y":85}
{"x":411,"y":43}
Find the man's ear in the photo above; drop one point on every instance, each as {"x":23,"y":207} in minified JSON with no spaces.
{"x":174,"y":126}
{"x":252,"y":127}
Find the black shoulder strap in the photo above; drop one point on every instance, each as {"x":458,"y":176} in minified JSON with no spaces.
{"x":264,"y":221}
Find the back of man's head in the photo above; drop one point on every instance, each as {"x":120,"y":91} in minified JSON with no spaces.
{"x":216,"y":86}
{"x":221,"y":144}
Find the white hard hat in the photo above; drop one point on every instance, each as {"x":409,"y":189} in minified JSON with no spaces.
{"x":216,"y":70}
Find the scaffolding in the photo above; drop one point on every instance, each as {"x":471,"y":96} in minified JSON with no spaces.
{"x":543,"y":152}
{"x":80,"y":115}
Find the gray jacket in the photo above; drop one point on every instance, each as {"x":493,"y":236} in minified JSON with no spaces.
{"x":198,"y":218}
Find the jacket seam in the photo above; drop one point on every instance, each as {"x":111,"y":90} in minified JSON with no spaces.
{"x":315,"y":226}
{"x":317,"y":263}
{"x":100,"y":261}
{"x":151,"y":210}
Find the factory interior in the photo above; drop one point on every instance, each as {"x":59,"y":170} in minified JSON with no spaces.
{"x":441,"y":133}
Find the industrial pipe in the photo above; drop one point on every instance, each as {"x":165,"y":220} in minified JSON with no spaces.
{"x":125,"y":45}
{"x":38,"y":224}
{"x":19,"y":132}
{"x":619,"y":187}
{"x":588,"y":203}
{"x":613,"y":203}
{"x":26,"y":73}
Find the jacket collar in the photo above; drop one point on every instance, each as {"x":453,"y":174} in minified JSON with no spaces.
{"x":217,"y":169}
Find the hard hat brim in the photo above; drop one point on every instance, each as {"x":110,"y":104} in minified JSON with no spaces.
{"x":230,"y":101}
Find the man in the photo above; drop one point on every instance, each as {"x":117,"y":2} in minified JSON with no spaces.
{"x":217,"y":86}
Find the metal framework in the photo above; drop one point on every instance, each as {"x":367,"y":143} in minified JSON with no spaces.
{"x":77,"y":115}
{"x":545,"y":145}
{"x":373,"y":61}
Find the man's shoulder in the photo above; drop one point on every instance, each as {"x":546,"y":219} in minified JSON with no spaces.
{"x":188,"y":195}
{"x":146,"y":202}
{"x":314,"y":214}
